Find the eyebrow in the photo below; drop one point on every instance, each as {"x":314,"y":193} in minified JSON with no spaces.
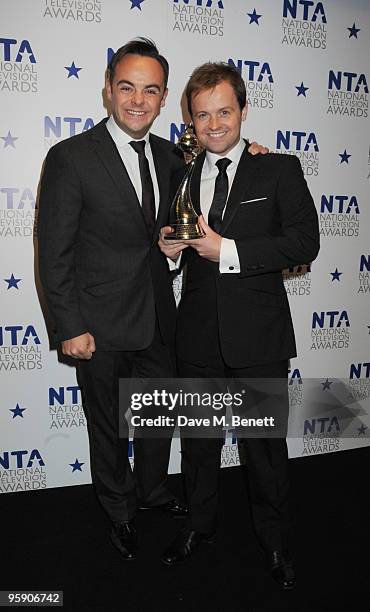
{"x":133,"y":85}
{"x":218,"y":110}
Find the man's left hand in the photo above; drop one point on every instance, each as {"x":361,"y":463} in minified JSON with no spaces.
{"x":210,"y":245}
{"x":255,"y":148}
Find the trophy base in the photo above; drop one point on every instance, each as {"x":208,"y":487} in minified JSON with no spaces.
{"x":185,"y":232}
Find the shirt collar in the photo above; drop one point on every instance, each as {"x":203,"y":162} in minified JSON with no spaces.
{"x":235,"y":155}
{"x":120,"y":138}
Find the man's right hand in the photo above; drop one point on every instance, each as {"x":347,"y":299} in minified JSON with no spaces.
{"x":171,"y":248}
{"x":81,"y":347}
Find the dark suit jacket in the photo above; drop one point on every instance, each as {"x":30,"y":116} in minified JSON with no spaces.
{"x":249,"y":312}
{"x":100,"y":270}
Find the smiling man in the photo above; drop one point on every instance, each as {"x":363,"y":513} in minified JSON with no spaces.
{"x":234,"y":319}
{"x":104,"y":196}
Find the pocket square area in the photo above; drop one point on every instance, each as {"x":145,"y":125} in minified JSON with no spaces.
{"x":253,"y":200}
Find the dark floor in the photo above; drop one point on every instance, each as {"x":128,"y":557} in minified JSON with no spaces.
{"x":57,"y":539}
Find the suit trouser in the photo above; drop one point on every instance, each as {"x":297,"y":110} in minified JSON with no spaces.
{"x":117,"y":487}
{"x":267,"y":466}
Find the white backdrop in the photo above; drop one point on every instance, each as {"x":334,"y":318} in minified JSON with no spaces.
{"x":306,"y":69}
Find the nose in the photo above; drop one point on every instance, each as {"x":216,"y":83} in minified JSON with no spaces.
{"x":213,"y":122}
{"x":138,"y":97}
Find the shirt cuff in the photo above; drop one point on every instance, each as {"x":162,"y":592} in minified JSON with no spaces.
{"x":174,"y":265}
{"x":229,"y":258}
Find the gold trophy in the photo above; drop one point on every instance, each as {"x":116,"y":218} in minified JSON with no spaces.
{"x":183,"y":218}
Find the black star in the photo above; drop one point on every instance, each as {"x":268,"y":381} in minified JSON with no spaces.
{"x":353,"y":31}
{"x":344,"y":156}
{"x":336,"y":275}
{"x":326,"y":384}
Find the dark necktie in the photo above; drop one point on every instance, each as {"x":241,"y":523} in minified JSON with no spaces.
{"x":147,"y":198}
{"x":220,"y":195}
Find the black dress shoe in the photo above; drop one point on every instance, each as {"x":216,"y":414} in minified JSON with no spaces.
{"x":123,"y":537}
{"x":184,"y":545}
{"x":172,"y":507}
{"x":281,"y":570}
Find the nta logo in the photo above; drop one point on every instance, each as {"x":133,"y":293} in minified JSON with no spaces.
{"x":296,"y":141}
{"x":306,"y":10}
{"x":17,"y":335}
{"x":348,"y":81}
{"x":330,"y":319}
{"x":12,"y":52}
{"x":17,"y":459}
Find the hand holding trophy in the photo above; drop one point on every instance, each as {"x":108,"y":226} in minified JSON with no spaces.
{"x":183,"y":218}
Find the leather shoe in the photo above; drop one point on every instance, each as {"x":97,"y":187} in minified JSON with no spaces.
{"x":184,"y":545}
{"x":172,"y":507}
{"x":123,"y":537}
{"x":281,"y":570}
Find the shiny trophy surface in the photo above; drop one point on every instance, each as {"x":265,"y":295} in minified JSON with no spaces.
{"x":183,"y":218}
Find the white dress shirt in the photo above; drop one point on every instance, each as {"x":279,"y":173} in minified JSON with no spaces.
{"x":229,"y":258}
{"x":131,"y":159}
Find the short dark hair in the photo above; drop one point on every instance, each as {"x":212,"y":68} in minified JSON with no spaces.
{"x":138,"y":46}
{"x":208,"y":75}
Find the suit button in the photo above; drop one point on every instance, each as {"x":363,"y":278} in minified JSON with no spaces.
{"x":231,"y":268}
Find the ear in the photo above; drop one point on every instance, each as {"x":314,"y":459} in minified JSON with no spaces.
{"x":108,"y":89}
{"x":245,"y":112}
{"x":163,"y":101}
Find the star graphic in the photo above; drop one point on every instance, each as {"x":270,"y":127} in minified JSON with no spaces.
{"x":12,"y":282}
{"x":344,"y":156}
{"x":336,"y":275}
{"x":361,"y":430}
{"x":9,"y":140}
{"x":73,"y":70}
{"x":353,"y":31}
{"x":17,"y":411}
{"x":326,"y":384}
{"x":136,"y":4}
{"x":253,"y":17}
{"x":301,"y":89}
{"x":76,"y":466}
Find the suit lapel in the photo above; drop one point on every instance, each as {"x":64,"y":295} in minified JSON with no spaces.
{"x":245,"y":176}
{"x":162,"y":170}
{"x":111,"y":160}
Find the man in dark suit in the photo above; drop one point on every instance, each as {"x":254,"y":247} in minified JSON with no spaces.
{"x":104,"y":196}
{"x":234,"y":319}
